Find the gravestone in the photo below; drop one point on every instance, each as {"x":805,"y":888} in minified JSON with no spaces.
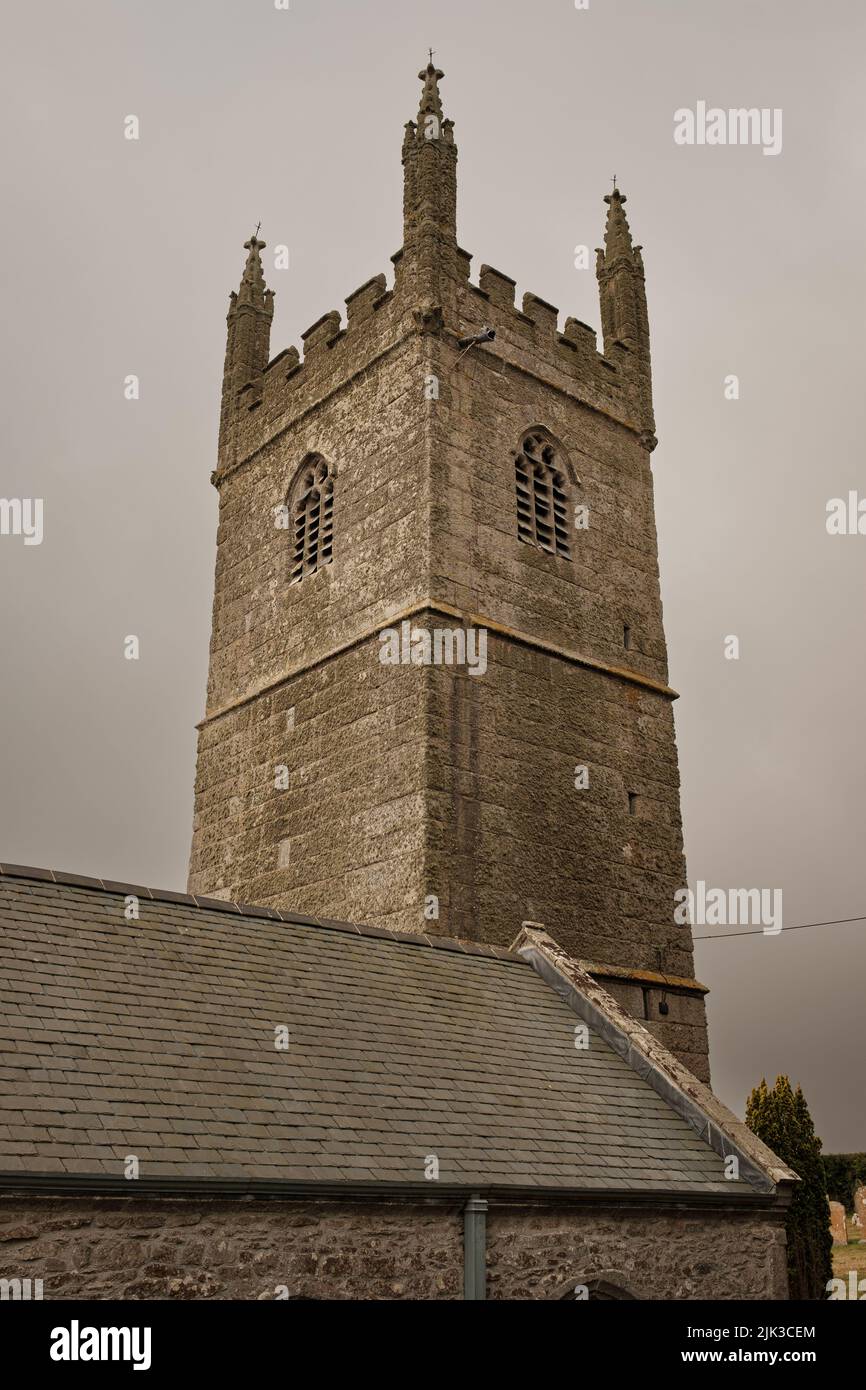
{"x":838,"y":1228}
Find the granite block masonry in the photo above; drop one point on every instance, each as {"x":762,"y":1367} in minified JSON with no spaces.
{"x":391,"y":475}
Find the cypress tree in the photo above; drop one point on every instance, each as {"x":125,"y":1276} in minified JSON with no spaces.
{"x":780,"y":1117}
{"x":817,"y":1206}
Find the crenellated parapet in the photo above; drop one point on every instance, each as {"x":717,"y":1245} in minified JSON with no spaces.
{"x":334,"y":350}
{"x":433,"y":296}
{"x":530,"y":339}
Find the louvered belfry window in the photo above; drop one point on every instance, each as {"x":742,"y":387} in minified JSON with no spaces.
{"x":542,"y":497}
{"x":312,"y":520}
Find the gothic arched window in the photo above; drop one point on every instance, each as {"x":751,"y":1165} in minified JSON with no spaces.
{"x":311,"y":508}
{"x":541,"y":482}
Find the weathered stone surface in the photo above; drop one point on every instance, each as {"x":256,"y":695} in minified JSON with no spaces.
{"x":247,"y":1250}
{"x":321,"y":1250}
{"x":838,"y":1224}
{"x":682,"y":1255}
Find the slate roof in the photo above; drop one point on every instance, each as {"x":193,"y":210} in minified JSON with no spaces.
{"x":156,"y":1038}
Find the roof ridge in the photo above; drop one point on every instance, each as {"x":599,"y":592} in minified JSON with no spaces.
{"x":169,"y":895}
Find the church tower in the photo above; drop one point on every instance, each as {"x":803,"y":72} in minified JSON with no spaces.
{"x":438,"y":696}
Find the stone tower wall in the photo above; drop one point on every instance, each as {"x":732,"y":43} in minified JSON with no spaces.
{"x":412,"y":783}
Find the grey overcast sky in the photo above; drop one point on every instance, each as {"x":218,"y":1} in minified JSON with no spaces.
{"x":118,"y":256}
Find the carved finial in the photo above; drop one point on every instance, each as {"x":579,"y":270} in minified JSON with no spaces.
{"x":252,"y":290}
{"x":431,"y":102}
{"x":624,"y":319}
{"x":617,"y":237}
{"x":429,"y":165}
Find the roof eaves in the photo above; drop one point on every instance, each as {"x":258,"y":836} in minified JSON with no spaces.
{"x":109,"y":1185}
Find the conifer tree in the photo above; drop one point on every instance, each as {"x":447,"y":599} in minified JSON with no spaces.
{"x":817,"y":1207}
{"x":780,"y":1117}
